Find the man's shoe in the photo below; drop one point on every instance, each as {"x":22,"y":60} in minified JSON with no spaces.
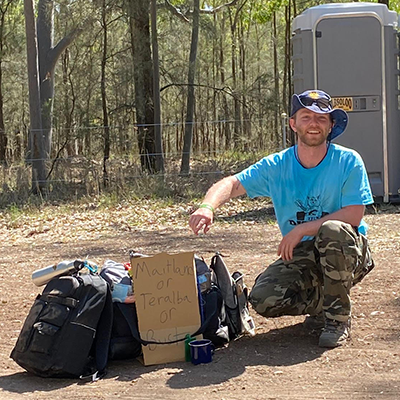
{"x":335,"y":333}
{"x":314,"y":322}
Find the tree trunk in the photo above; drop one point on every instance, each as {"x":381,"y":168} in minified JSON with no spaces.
{"x":156,"y":91}
{"x":227,"y":127}
{"x":87,"y":133}
{"x":3,"y":135}
{"x":187,"y":141}
{"x":294,"y":8}
{"x":143,"y":79}
{"x":286,"y":68}
{"x":245,"y":112}
{"x":214,"y":84}
{"x":276,"y":81}
{"x":45,"y":22}
{"x":292,"y":136}
{"x":106,"y":132}
{"x":38,"y":165}
{"x":69,"y":106}
{"x":237,"y":124}
{"x":260,"y":111}
{"x":287,"y":83}
{"x":48,"y":56}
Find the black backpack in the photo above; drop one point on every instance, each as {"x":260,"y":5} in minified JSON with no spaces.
{"x":67,"y":331}
{"x":125,"y":341}
{"x":211,"y":305}
{"x":235,"y":298}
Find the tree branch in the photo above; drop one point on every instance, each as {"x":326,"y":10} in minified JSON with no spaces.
{"x":118,"y":52}
{"x":56,"y":51}
{"x":225,"y":89}
{"x":56,"y":158}
{"x":175,"y":11}
{"x":208,"y":11}
{"x":219,"y":8}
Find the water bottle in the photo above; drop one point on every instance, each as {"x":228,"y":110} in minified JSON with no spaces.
{"x":42,"y":276}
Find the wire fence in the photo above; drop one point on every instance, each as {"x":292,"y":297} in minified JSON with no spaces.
{"x":77,"y":162}
{"x":211,"y":136}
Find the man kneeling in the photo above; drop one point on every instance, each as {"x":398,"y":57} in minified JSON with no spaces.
{"x":319,"y":191}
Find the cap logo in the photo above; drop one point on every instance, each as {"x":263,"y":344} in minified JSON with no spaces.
{"x":314,"y":95}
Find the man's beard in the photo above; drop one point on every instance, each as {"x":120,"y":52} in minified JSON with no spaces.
{"x":311,"y":140}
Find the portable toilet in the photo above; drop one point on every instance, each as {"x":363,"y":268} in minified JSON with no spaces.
{"x":351,"y":51}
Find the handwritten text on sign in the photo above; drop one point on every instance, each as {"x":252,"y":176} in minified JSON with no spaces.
{"x":166,"y":292}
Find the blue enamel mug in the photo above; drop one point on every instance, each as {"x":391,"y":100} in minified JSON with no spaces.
{"x":201,"y":351}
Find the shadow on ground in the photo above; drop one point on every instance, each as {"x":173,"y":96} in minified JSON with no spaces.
{"x":261,"y":215}
{"x":24,"y":382}
{"x":274,"y":349}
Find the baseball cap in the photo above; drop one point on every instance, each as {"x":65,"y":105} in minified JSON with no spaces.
{"x":320,"y":102}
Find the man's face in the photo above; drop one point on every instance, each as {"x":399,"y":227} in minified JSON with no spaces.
{"x":312,"y":128}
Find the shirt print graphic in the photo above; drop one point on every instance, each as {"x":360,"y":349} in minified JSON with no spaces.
{"x":310,"y":210}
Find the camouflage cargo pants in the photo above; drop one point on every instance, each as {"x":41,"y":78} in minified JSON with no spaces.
{"x":319,"y":276}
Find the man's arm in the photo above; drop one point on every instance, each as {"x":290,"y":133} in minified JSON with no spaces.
{"x":350,"y":214}
{"x":218,"y":194}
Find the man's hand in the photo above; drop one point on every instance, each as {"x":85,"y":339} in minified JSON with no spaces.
{"x":218,"y":194}
{"x":201,"y":219}
{"x":350,"y":215}
{"x":289,"y":242}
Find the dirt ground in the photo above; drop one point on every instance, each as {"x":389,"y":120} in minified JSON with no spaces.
{"x":282,"y":361}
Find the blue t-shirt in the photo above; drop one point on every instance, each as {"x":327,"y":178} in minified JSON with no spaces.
{"x":305,"y":194}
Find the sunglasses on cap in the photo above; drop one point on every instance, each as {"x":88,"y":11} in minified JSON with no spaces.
{"x":322,"y":101}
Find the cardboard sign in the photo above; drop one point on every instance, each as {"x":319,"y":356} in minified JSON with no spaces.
{"x":165,"y":288}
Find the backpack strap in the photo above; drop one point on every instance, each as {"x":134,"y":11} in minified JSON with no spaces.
{"x":65,"y":301}
{"x":224,"y":280}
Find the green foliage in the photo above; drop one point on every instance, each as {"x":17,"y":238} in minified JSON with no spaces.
{"x":14,"y":212}
{"x":263,"y":11}
{"x":108,"y":200}
{"x":394,"y":5}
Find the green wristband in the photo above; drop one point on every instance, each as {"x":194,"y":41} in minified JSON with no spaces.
{"x":211,"y":208}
